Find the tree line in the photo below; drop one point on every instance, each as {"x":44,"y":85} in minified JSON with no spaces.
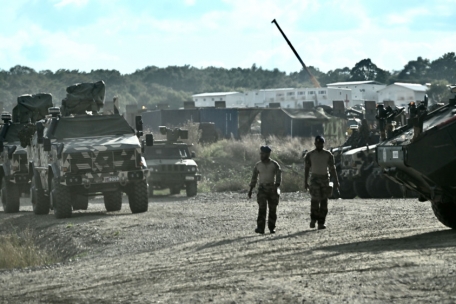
{"x":176,"y":84}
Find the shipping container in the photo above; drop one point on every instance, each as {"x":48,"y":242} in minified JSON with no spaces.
{"x":225,"y":120}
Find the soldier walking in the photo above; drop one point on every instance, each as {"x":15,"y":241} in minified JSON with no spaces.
{"x":270,"y":176}
{"x":319,"y":161}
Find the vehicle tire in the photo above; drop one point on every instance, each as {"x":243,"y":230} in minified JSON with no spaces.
{"x":79,"y":202}
{"x":60,"y":200}
{"x":40,"y":202}
{"x":370,"y":185}
{"x":113,"y":200}
{"x":137,"y":196}
{"x":445,"y":213}
{"x":360,"y":188}
{"x":394,"y":189}
{"x":411,"y":194}
{"x":10,"y":197}
{"x":346,"y":189}
{"x":191,"y":189}
{"x":174,"y":190}
{"x":380,"y":190}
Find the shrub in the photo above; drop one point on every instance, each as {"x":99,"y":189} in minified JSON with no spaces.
{"x":17,"y":250}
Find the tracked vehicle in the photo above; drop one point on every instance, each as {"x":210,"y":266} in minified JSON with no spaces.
{"x":171,"y":164}
{"x":81,"y":154}
{"x":422,"y":156}
{"x":14,"y":169}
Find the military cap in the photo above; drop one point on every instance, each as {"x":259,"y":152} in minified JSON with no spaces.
{"x":319,"y":138}
{"x":265,"y":149}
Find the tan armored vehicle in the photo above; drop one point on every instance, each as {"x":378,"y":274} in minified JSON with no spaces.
{"x":171,"y":164}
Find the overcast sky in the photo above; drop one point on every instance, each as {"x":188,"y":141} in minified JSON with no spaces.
{"x":127,"y":35}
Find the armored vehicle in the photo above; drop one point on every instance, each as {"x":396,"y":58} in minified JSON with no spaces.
{"x":14,"y":169}
{"x":171,"y":165}
{"x":422,"y":156}
{"x":81,"y":155}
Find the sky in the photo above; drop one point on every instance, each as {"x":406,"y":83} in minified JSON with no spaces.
{"x":127,"y":35}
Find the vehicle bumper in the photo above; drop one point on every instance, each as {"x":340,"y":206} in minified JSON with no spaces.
{"x":105,"y":178}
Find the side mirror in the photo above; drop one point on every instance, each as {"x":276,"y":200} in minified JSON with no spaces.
{"x":46,"y":144}
{"x":39,"y":132}
{"x":149,"y":140}
{"x":193,"y":154}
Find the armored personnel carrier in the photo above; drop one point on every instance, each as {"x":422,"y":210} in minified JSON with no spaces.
{"x":82,"y":154}
{"x":171,"y":165}
{"x":14,"y":168}
{"x":422,"y":156}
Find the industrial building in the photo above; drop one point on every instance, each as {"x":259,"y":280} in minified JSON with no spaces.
{"x":231,"y":99}
{"x":360,"y":90}
{"x":287,"y":98}
{"x":402,"y":93}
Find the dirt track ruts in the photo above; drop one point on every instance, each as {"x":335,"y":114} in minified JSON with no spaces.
{"x":204,"y":249}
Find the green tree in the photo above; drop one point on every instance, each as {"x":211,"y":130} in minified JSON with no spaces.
{"x":367,"y":70}
{"x":439,"y":91}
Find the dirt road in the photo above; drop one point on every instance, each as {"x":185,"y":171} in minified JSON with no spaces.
{"x":204,"y":250}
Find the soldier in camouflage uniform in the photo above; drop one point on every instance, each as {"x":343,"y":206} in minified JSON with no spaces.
{"x":270,"y":176}
{"x":319,"y":161}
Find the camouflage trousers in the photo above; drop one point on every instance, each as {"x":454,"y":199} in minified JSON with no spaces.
{"x":319,"y":193}
{"x":267,"y":197}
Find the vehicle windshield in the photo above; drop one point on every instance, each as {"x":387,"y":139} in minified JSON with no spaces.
{"x":157,"y":152}
{"x":88,"y":126}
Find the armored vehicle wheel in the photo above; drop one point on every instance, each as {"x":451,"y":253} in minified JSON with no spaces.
{"x":370,"y":185}
{"x":10,"y":197}
{"x":346,"y":189}
{"x":79,"y":202}
{"x":191,"y":189}
{"x":360,"y":188}
{"x":394,"y":189}
{"x":60,"y":200}
{"x":376,"y":186}
{"x":174,"y":190}
{"x":411,"y":194}
{"x":40,"y":202}
{"x":137,"y":196}
{"x":113,"y":200}
{"x":445,"y":213}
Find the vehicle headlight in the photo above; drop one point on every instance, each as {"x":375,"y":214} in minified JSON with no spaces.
{"x":193,"y":169}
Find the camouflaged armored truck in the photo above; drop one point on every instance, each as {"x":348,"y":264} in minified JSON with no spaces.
{"x":171,"y":165}
{"x":82,"y":155}
{"x":422,"y":156}
{"x":14,"y":168}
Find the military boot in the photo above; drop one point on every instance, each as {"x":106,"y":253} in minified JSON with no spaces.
{"x":312,"y":223}
{"x":259,"y":230}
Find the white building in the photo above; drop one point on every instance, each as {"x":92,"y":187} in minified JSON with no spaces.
{"x":402,"y":93}
{"x":287,"y":97}
{"x":231,"y":99}
{"x":361,"y":90}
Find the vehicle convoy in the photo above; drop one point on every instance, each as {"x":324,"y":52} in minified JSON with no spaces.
{"x":14,"y":169}
{"x":422,"y":156}
{"x":171,"y":164}
{"x":80,"y":154}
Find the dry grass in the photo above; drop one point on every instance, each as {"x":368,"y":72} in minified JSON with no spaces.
{"x":18,"y":250}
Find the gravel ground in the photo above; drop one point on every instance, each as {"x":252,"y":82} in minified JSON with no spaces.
{"x":204,"y":250}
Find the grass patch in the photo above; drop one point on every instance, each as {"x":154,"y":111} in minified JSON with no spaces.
{"x":18,"y":250}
